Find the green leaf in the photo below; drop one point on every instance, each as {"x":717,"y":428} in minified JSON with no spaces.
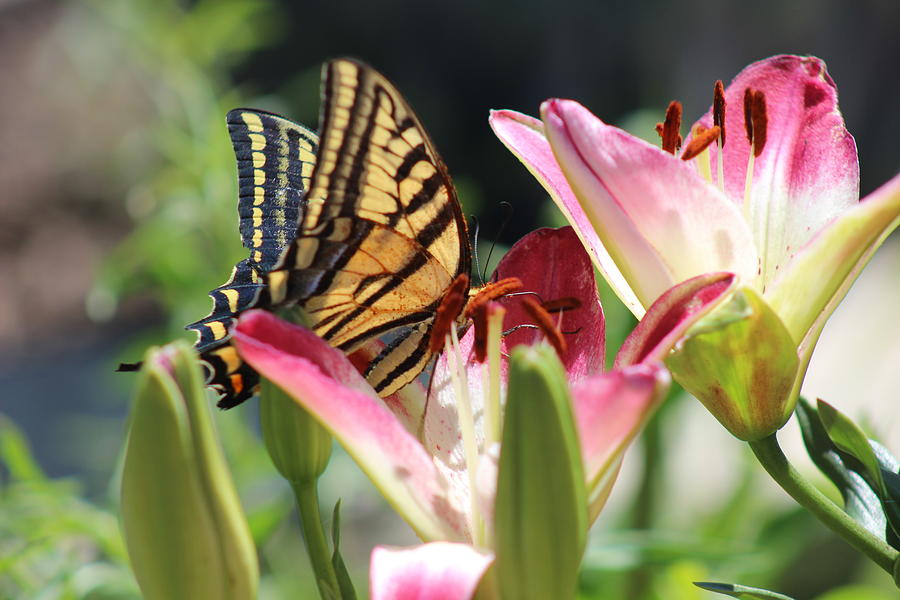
{"x":860,"y":500}
{"x":541,"y":503}
{"x":740,"y":591}
{"x":337,"y":561}
{"x":849,"y":438}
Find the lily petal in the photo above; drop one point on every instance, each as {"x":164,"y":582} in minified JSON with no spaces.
{"x":553,"y":264}
{"x":808,"y":172}
{"x":571,"y":277}
{"x":322,"y":380}
{"x":524,"y":136}
{"x":436,"y":571}
{"x":661,"y":222}
{"x":610,"y":409}
{"x":673,"y":314}
{"x":821,"y":273}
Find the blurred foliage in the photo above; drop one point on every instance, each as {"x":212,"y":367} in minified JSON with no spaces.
{"x":53,"y":543}
{"x":184,"y":239}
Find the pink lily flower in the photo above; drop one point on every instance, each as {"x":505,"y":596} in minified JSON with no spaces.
{"x":433,"y":453}
{"x":781,"y":212}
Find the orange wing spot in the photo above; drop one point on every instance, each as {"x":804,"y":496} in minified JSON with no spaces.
{"x":237,"y":383}
{"x":670,"y":129}
{"x":701,"y":140}
{"x":561,"y":305}
{"x":450,"y":307}
{"x":719,"y":108}
{"x":545,"y":323}
{"x":491,"y":292}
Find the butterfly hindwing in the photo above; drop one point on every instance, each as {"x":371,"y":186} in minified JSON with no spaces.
{"x":383,"y":235}
{"x":275,"y":160}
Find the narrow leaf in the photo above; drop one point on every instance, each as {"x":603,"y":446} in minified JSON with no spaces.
{"x":740,"y":591}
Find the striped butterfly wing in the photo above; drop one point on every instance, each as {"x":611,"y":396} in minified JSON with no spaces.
{"x":384,"y":234}
{"x":275,"y":160}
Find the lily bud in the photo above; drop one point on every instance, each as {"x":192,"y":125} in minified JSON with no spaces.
{"x":185,"y":531}
{"x":298,"y":446}
{"x":540,"y":514}
{"x":741,"y":363}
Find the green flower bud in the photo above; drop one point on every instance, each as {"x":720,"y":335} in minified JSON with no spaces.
{"x":741,"y":363}
{"x":298,"y":445}
{"x":184,"y":528}
{"x":540,"y":512}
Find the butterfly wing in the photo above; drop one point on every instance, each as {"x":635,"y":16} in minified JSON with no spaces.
{"x":275,"y":159}
{"x":383,"y":236}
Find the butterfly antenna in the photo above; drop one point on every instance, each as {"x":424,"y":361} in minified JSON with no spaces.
{"x":508,"y":207}
{"x":474,"y":220}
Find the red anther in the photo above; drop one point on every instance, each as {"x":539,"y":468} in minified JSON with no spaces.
{"x":671,"y":136}
{"x":719,"y":109}
{"x":561,"y":305}
{"x":480,"y":323}
{"x":748,"y":114}
{"x":450,"y":307}
{"x":701,"y":140}
{"x":545,"y":323}
{"x":491,"y":292}
{"x":760,"y":122}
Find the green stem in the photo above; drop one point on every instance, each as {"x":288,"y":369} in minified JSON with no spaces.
{"x":769,"y":454}
{"x":314,"y":537}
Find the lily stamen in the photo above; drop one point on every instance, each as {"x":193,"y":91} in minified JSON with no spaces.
{"x":544,"y":322}
{"x":700,"y":141}
{"x":670,"y":129}
{"x":719,"y":105}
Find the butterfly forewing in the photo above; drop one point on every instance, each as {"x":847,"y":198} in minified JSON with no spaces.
{"x":384,"y":235}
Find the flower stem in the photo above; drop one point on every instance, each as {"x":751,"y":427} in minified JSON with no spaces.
{"x":769,"y":454}
{"x":307,"y":496}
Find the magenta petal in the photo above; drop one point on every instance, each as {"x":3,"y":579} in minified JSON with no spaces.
{"x":661,"y":222}
{"x":329,"y":387}
{"x":436,"y":571}
{"x":610,"y":410}
{"x":808,"y":172}
{"x":524,"y":136}
{"x":553,"y":264}
{"x":671,"y":315}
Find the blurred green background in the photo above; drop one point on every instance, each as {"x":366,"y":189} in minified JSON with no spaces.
{"x":117,"y":200}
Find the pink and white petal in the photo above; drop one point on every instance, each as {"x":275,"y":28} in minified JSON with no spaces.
{"x":660,"y":221}
{"x":553,"y":264}
{"x":672,"y":315}
{"x":407,"y":403}
{"x":820,"y":274}
{"x":610,"y":410}
{"x":436,"y":571}
{"x":326,"y":384}
{"x":808,"y":172}
{"x":524,"y":136}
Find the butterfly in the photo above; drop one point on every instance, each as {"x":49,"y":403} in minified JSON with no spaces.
{"x":380,"y":241}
